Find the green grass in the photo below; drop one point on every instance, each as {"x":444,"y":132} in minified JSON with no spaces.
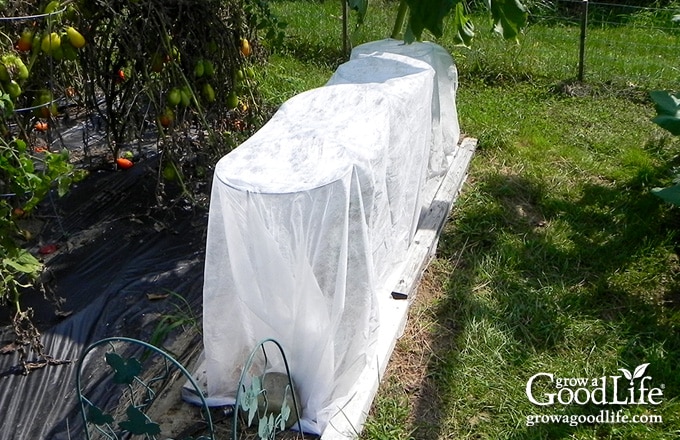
{"x":556,"y":257}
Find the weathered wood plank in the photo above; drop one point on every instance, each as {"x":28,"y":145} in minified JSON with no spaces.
{"x":426,"y":238}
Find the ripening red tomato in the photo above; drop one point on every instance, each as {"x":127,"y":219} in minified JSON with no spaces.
{"x":41,"y":126}
{"x":48,"y":249}
{"x":25,"y":43}
{"x":119,"y":76}
{"x":124,"y":163}
{"x":166,"y":118}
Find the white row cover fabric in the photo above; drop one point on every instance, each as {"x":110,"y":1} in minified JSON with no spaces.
{"x":308,"y":219}
{"x":445,"y":126}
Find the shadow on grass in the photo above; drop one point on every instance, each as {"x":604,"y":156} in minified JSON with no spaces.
{"x":608,"y":256}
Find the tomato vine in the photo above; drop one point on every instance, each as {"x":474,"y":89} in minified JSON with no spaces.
{"x":179,"y":70}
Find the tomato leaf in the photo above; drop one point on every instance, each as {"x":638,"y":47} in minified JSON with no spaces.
{"x":509,"y":17}
{"x":20,"y":145}
{"x":428,"y":14}
{"x":6,"y":105}
{"x":465,"y":30}
{"x":24,"y":262}
{"x":668,"y":111}
{"x":63,"y":185}
{"x":670,"y":194}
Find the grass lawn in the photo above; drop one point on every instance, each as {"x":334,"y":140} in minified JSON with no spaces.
{"x":556,"y":258}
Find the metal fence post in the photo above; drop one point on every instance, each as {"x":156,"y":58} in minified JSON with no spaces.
{"x":582,"y":46}
{"x":345,"y":45}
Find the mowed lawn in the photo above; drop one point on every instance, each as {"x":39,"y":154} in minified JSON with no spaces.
{"x":557,"y":260}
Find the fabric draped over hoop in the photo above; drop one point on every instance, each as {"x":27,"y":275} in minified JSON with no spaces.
{"x":310,"y":217}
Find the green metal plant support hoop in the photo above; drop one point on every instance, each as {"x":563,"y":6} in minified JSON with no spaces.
{"x":142,"y":393}
{"x":251,"y":399}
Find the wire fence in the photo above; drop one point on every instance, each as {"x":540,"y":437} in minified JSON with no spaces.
{"x":608,"y":41}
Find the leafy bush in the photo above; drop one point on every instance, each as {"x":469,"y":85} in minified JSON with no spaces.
{"x":668,"y":117}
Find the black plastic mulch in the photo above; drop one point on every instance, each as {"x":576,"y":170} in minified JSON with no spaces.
{"x":122,"y":259}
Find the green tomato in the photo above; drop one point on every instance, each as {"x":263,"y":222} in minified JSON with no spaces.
{"x":208,"y":92}
{"x":14,"y":89}
{"x":169,"y":172}
{"x":208,"y":68}
{"x":75,"y":38}
{"x":174,"y":97}
{"x":199,"y":70}
{"x":51,"y":7}
{"x":50,"y":42}
{"x":232,"y":101}
{"x":185,"y":97}
{"x":4,"y":73}
{"x":22,"y":70}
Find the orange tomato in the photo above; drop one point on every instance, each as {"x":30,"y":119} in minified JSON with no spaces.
{"x":124,"y":163}
{"x":119,"y":76}
{"x":41,"y":126}
{"x":245,"y":47}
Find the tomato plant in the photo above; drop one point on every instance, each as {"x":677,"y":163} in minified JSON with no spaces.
{"x":164,"y":67}
{"x":32,"y":46}
{"x":152,"y":69}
